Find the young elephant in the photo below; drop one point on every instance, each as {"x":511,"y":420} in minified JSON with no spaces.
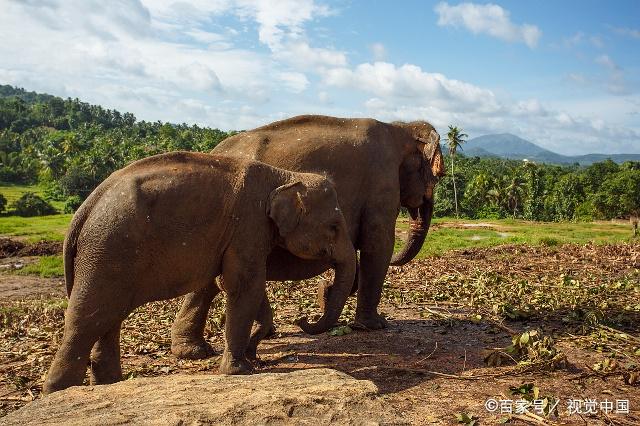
{"x":168,"y":225}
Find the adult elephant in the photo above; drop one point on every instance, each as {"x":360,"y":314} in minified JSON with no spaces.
{"x":376,"y":168}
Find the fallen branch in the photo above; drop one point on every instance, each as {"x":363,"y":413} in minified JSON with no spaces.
{"x":437,"y":373}
{"x":530,"y":418}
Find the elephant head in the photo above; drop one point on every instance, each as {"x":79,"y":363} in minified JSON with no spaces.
{"x":311,"y":226}
{"x":419,"y":172}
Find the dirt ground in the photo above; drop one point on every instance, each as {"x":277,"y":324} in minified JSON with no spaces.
{"x":446,"y":314}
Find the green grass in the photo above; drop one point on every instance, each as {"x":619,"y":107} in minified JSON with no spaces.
{"x":35,"y":228}
{"x":449,"y":234}
{"x":45,"y":267}
{"x":12,"y":192}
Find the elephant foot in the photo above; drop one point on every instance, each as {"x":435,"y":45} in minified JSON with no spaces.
{"x":105,"y":374}
{"x":190,"y":349}
{"x":373,"y":321}
{"x":252,"y":348}
{"x":271,"y":333}
{"x":252,"y":352}
{"x":228,"y":365}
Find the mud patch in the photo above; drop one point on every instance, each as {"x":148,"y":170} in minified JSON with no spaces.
{"x":10,"y":247}
{"x":19,"y":287}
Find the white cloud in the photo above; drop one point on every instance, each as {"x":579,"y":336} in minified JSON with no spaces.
{"x":488,"y":19}
{"x":385,"y":80}
{"x":629,"y":32}
{"x":294,"y":81}
{"x":280,"y":19}
{"x":580,"y":39}
{"x":281,"y":28}
{"x":616,"y":82}
{"x":574,"y":40}
{"x":606,"y":61}
{"x":214,"y":40}
{"x":596,"y":41}
{"x":324,"y":97}
{"x":578,"y":78}
{"x":379,"y":51}
{"x":305,"y":57}
{"x":280,"y":25}
{"x":375,"y":103}
{"x":200,"y":77}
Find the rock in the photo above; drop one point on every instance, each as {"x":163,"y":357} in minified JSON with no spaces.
{"x":313,"y":396}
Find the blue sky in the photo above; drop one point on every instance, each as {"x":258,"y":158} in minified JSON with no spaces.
{"x":565,"y":75}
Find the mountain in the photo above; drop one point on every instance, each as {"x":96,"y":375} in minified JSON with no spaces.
{"x":506,"y":145}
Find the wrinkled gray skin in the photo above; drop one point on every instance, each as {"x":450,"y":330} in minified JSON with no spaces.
{"x":168,"y":225}
{"x":376,"y":167}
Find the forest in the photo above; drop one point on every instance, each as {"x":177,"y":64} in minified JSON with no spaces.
{"x":69,"y":146}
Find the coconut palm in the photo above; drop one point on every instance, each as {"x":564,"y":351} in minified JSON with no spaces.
{"x":514,"y":192}
{"x":475,"y":193}
{"x":455,"y":139}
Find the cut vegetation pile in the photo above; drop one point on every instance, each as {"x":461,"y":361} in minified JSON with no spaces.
{"x":513,"y":322}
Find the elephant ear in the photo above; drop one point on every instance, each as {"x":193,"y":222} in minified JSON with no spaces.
{"x":432,"y":153}
{"x":286,"y":206}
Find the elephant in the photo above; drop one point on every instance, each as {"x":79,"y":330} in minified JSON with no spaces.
{"x":168,"y":225}
{"x":634,"y":219}
{"x":377,"y":168}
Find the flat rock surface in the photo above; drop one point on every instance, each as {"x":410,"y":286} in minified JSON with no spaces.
{"x":313,"y":396}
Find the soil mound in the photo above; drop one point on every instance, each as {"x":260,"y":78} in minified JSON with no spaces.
{"x":11,"y":248}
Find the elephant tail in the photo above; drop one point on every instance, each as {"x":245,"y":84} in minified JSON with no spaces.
{"x":70,"y":246}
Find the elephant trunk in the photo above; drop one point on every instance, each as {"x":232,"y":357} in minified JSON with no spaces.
{"x":345,"y":272}
{"x":419,"y":226}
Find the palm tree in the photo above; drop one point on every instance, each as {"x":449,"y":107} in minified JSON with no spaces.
{"x":455,"y":139}
{"x":495,"y":196}
{"x":514,"y":193}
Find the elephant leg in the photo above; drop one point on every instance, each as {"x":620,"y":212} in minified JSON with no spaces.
{"x":187,"y":331}
{"x":376,"y":249}
{"x":244,"y":285}
{"x":105,"y":359}
{"x":264,"y":327}
{"x":69,"y":365}
{"x":324,"y":286}
{"x":85,"y":322}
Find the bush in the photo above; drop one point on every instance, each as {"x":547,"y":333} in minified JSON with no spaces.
{"x":52,"y":191}
{"x":72,"y":203}
{"x":3,"y":203}
{"x":32,"y":205}
{"x":489,"y":212}
{"x":77,"y":180}
{"x":585,"y":212}
{"x":549,"y":241}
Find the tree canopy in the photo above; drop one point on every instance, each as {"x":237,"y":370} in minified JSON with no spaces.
{"x":498,"y":188}
{"x":71,"y":146}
